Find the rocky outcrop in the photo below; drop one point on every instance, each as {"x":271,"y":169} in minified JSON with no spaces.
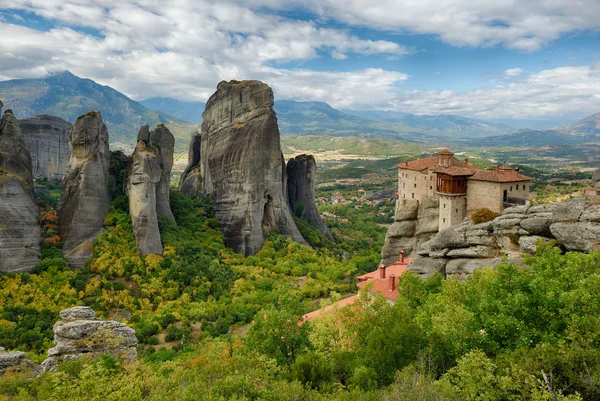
{"x":19,"y":214}
{"x":414,"y":224}
{"x":148,"y":187}
{"x":301,"y":173}
{"x":79,"y":333}
{"x":459,"y":250}
{"x":47,"y":139}
{"x":16,"y":361}
{"x":242,"y":166}
{"x":191,"y":179}
{"x":596,"y":175}
{"x":86,"y":188}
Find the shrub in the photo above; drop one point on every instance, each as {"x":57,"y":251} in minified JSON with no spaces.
{"x":483,"y":215}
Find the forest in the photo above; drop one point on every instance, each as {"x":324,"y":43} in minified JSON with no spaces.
{"x":213,"y":325}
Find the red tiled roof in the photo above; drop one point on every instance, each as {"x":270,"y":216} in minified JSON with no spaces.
{"x":343,"y":302}
{"x":420,"y":164}
{"x":382,"y":286}
{"x":456,"y":171}
{"x":396,"y":269}
{"x":445,"y":152}
{"x":501,"y":175}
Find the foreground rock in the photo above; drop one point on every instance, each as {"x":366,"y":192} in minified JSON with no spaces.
{"x":19,"y":214}
{"x":86,"y":188}
{"x":147,"y":180}
{"x":79,"y":333}
{"x":191,"y":179}
{"x":47,"y":139}
{"x":242,"y":166}
{"x":414,"y":224}
{"x":16,"y":361}
{"x":301,"y":173}
{"x":459,"y":250}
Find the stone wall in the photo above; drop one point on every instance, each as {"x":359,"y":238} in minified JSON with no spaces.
{"x":414,"y":185}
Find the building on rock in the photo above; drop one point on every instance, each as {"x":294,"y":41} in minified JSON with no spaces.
{"x":460,"y":187}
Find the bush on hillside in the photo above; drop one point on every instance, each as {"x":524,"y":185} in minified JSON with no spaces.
{"x":483,"y":215}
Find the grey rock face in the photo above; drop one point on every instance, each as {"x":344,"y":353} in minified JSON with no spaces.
{"x":191,"y":179}
{"x":162,"y":139}
{"x":143,"y":186}
{"x":19,"y":228}
{"x":80,"y":333}
{"x":85,"y":192}
{"x":463,"y":268}
{"x":47,"y":139}
{"x":427,"y":267}
{"x":301,"y":173}
{"x":529,"y":243}
{"x":582,"y":237}
{"x":242,"y":166}
{"x":16,"y":361}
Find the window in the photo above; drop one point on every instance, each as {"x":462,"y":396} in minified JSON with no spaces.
{"x":444,"y":205}
{"x":456,"y":210}
{"x":431,"y":187}
{"x":415,"y":185}
{"x":413,"y":194}
{"x":444,"y":220}
{"x":511,"y":188}
{"x":517,"y":187}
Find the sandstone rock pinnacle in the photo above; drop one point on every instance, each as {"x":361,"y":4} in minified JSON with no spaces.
{"x":242,"y":165}
{"x":19,"y":214}
{"x":301,"y":173}
{"x":191,"y":179}
{"x":85,"y":193}
{"x":148,"y":187}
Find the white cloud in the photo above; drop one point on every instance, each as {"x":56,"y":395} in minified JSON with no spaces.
{"x":513,"y":72}
{"x":559,"y":92}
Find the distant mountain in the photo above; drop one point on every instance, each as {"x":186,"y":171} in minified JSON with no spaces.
{"x":451,"y":127}
{"x":588,"y":127}
{"x":534,"y":124}
{"x":68,"y":96}
{"x":188,"y":111}
{"x":320,"y":118}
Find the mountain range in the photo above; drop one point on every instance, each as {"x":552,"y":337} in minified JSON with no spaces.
{"x":68,"y":96}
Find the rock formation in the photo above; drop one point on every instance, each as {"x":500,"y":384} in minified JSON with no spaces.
{"x":47,"y":139}
{"x":242,"y":165}
{"x":191,"y":179}
{"x":459,"y":250}
{"x":596,"y":175}
{"x":301,"y":173}
{"x":16,"y":361}
{"x":79,"y":333}
{"x":19,"y":227}
{"x":414,"y":224}
{"x":148,"y":187}
{"x":86,"y":188}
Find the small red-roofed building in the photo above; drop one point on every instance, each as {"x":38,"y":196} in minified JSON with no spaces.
{"x":383,"y":281}
{"x":461,"y":187}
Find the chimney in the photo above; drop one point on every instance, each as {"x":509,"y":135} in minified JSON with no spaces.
{"x":496,"y":168}
{"x":382,"y":271}
{"x":392,"y":282}
{"x":466,"y":161}
{"x":402,"y":256}
{"x":517,"y":169}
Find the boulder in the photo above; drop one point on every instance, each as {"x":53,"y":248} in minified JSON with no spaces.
{"x":427,"y":267}
{"x":537,"y":225}
{"x":16,"y":361}
{"x":190,"y":182}
{"x":479,"y":251}
{"x":19,"y":214}
{"x":79,"y":333}
{"x":581,"y":237}
{"x":86,"y":188}
{"x":406,"y":211}
{"x":301,"y":172}
{"x":47,"y":139}
{"x":242,"y":166}
{"x":143,"y":179}
{"x":528,"y":243}
{"x":463,"y":268}
{"x":591,"y":214}
{"x":402,"y":229}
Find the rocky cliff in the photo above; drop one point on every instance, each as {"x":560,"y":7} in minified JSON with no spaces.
{"x":19,"y":214}
{"x":47,"y":139}
{"x":191,"y":179}
{"x":301,"y":173}
{"x":459,"y":250}
{"x":414,"y":224}
{"x":242,"y":165}
{"x":79,"y":333}
{"x":86,"y":188}
{"x":148,"y":187}
{"x":16,"y":361}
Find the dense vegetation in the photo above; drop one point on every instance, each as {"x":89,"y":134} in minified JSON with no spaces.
{"x":214,"y":325}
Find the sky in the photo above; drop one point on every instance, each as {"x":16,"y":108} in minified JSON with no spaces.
{"x":505,"y":59}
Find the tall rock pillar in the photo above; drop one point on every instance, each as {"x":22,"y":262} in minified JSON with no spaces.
{"x":242,"y":165}
{"x":301,"y":173}
{"x":85,"y":193}
{"x":19,"y":226}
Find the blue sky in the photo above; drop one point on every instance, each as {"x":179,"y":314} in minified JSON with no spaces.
{"x":494,"y":59}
